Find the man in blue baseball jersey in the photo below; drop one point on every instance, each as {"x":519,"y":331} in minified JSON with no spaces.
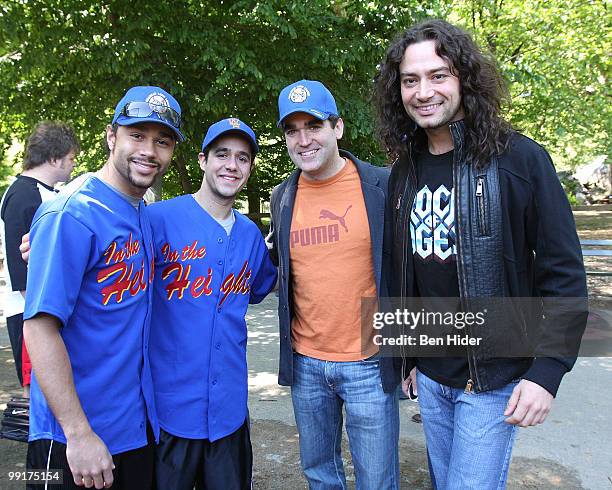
{"x":210,"y":263}
{"x":88,"y":310}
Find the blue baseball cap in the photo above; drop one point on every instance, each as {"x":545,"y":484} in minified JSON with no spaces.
{"x":309,"y":96}
{"x":233,"y":125}
{"x":149,"y":104}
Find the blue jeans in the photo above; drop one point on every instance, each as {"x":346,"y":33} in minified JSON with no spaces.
{"x":468,"y":442}
{"x":320,"y":389}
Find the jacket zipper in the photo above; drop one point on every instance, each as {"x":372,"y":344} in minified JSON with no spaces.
{"x":403,"y":220}
{"x":472,"y":365}
{"x":469,"y":387}
{"x":482,"y":206}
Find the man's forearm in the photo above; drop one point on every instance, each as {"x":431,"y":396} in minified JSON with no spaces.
{"x":53,"y":371}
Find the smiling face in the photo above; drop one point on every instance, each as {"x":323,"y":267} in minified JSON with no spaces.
{"x":430,"y":92}
{"x":138,"y":154}
{"x":312,"y":145}
{"x":227,"y":166}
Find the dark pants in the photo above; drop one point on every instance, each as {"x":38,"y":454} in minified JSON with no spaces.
{"x":223,"y":464}
{"x":133,"y":469}
{"x":14,"y":325}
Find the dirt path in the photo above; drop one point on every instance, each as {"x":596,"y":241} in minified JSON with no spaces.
{"x":276,"y":452}
{"x":275,"y":440}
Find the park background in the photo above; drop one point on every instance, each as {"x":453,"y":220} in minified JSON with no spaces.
{"x":72,"y":60}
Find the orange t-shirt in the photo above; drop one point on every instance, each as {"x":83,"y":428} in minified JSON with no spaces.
{"x":331,"y":268}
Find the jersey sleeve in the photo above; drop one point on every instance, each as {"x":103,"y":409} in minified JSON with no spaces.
{"x":265,"y":278}
{"x":18,"y":214}
{"x":60,"y":253}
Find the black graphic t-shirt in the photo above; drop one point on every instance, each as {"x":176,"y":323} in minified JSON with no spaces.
{"x":434,"y":252}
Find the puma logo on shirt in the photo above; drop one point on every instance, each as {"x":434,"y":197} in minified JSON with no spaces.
{"x":316,"y":235}
{"x":325,"y":214}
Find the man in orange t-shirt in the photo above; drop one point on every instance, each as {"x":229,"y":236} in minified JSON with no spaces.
{"x":327,"y":238}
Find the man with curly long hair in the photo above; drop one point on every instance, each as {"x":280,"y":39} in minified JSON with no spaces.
{"x":477,"y":212}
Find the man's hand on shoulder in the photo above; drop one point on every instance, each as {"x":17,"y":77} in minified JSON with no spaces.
{"x":268,"y":240}
{"x":24,"y":248}
{"x":89,"y":460}
{"x":529,"y":404}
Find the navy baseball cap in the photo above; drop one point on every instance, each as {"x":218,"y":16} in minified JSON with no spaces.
{"x":233,"y":125}
{"x":149,"y":104}
{"x":309,"y":96}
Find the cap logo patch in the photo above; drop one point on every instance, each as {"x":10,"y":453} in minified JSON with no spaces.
{"x":158,"y":102}
{"x":234,"y":123}
{"x":298,"y":94}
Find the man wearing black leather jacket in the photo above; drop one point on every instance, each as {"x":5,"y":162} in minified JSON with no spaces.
{"x":477,"y":212}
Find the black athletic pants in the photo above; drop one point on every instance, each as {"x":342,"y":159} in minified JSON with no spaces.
{"x":226,"y":464}
{"x":133,"y":469}
{"x":14,"y":325}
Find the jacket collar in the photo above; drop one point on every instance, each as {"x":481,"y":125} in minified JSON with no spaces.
{"x":457,"y":130}
{"x":366,"y":173}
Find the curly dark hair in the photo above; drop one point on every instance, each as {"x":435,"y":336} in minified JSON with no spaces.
{"x":483,"y":91}
{"x":48,"y":141}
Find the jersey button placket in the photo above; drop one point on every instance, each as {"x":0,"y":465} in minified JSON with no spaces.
{"x":221,"y":261}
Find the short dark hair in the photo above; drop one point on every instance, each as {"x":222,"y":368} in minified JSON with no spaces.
{"x":240,"y":134}
{"x":483,"y":92}
{"x":50,"y":140}
{"x":105,"y":143}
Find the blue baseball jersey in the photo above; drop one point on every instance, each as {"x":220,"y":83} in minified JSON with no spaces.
{"x":91,"y":267}
{"x":204,"y":281}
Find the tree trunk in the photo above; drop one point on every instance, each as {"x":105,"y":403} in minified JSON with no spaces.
{"x":254,"y":201}
{"x":183,"y":175}
{"x":156,"y":189}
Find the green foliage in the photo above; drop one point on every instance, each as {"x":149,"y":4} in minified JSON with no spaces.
{"x":571,"y":186}
{"x":554,"y":55}
{"x":73,"y":60}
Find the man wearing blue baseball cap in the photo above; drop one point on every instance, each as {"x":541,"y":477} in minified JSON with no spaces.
{"x":149,"y":104}
{"x":330,"y":212}
{"x":210,"y":263}
{"x":88,"y":310}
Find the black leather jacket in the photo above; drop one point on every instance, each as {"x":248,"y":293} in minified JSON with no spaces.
{"x":515,"y":237}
